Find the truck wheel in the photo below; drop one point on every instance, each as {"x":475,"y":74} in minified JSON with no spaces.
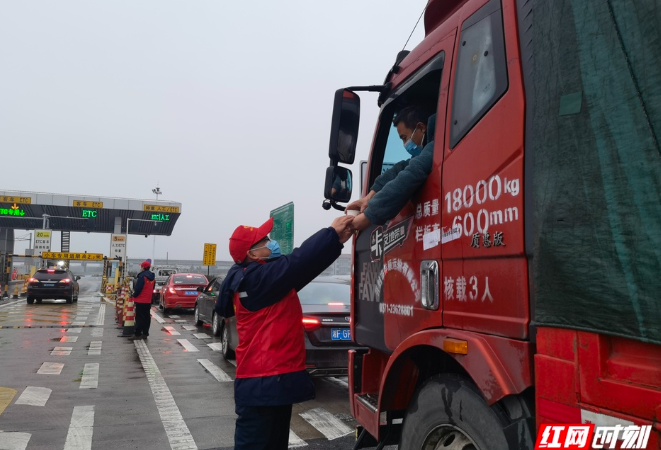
{"x":449,"y":412}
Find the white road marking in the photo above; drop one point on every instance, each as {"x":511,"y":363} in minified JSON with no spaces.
{"x":49,"y":368}
{"x":97,"y":332}
{"x":295,"y":441}
{"x":337,"y":382}
{"x":189,"y":327}
{"x":231,"y":361}
{"x":74,"y":330}
{"x":78,"y":324}
{"x":101,"y":317}
{"x":158,"y":318}
{"x":69,"y":339}
{"x":61,"y":351}
{"x":90,"y":378}
{"x":187,"y":345}
{"x":10,"y":304}
{"x":34,"y":396}
{"x":329,"y":425}
{"x":95,"y":348}
{"x":81,"y":429}
{"x":217,"y":346}
{"x":181,"y":321}
{"x":172,"y":331}
{"x":175,"y":427}
{"x":201,"y":336}
{"x":214,"y":370}
{"x":14,"y":441}
{"x":173,"y":317}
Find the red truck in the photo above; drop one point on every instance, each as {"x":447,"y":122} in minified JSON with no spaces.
{"x":520,"y":286}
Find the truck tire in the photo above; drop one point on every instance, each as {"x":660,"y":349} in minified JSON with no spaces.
{"x":449,"y":412}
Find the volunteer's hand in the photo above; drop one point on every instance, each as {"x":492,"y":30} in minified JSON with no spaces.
{"x":342,"y":228}
{"x":360,"y":222}
{"x":361,"y":204}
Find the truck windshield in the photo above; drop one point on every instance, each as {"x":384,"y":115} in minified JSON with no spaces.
{"x":395,"y":151}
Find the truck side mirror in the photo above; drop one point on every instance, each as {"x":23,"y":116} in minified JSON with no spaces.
{"x":339,"y":184}
{"x":344,"y":127}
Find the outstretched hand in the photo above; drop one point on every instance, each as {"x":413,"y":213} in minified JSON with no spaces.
{"x":361,"y":204}
{"x":342,"y":226}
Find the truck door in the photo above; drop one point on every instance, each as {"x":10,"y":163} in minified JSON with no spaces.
{"x":390,"y":259}
{"x":484,"y":265}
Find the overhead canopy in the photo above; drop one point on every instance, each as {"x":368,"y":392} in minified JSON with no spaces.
{"x":82,"y":213}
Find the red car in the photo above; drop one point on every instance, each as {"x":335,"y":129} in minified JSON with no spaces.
{"x":180,"y":291}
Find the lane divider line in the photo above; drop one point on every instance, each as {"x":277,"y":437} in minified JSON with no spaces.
{"x":295,"y":441}
{"x":34,"y":396}
{"x":329,"y":425}
{"x":178,"y":434}
{"x":156,"y":316}
{"x":61,"y":351}
{"x":12,"y":303}
{"x":95,"y":348}
{"x":81,"y":429}
{"x":50,"y":368}
{"x":90,"y":379}
{"x":14,"y":441}
{"x":215,"y":371}
{"x":101,"y":317}
{"x":172,"y":331}
{"x":185,"y":343}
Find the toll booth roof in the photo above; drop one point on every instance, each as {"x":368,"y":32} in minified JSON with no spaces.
{"x":83,"y":213}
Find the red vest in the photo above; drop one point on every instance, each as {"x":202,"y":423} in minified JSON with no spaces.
{"x":146,"y":293}
{"x":271,"y":340}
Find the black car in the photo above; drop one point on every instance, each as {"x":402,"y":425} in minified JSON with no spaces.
{"x":53,"y":284}
{"x":326,"y":317}
{"x":204,"y":304}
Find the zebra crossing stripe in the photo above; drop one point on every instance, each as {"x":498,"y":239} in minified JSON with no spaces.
{"x":176,"y":430}
{"x":158,"y":318}
{"x":185,"y":343}
{"x":329,"y":425}
{"x":201,"y":335}
{"x":69,"y":339}
{"x":81,"y":428}
{"x":90,"y":379}
{"x":295,"y":441}
{"x":34,"y":396}
{"x":217,"y":346}
{"x":214,"y":370}
{"x":61,"y":351}
{"x":95,"y":348}
{"x":74,"y":330}
{"x":14,"y":441}
{"x":49,"y":368}
{"x":172,"y":331}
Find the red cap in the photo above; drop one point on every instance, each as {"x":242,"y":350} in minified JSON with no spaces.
{"x":245,"y":237}
{"x":145,"y":264}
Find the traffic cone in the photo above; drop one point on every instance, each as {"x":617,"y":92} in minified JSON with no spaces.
{"x":129,"y":318}
{"x":16,"y":291}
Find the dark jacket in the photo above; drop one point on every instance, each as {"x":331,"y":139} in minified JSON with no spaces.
{"x":266,"y":284}
{"x":395,"y":187}
{"x":140,"y":281}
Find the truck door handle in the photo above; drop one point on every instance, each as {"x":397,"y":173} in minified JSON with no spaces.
{"x":429,"y":285}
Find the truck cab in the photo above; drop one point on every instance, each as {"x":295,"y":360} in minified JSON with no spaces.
{"x":468,"y":298}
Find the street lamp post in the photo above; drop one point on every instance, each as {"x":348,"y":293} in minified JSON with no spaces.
{"x":157,"y":191}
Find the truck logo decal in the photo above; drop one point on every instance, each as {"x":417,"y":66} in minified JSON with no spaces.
{"x":382,"y":242}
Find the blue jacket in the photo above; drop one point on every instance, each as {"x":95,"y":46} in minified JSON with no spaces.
{"x":267,"y":284}
{"x":395,"y":187}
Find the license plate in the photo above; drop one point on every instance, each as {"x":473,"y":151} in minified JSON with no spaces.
{"x":191,"y":292}
{"x":340,"y":334}
{"x":49,"y":285}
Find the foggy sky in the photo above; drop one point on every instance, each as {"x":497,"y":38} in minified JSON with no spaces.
{"x":225,"y":105}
